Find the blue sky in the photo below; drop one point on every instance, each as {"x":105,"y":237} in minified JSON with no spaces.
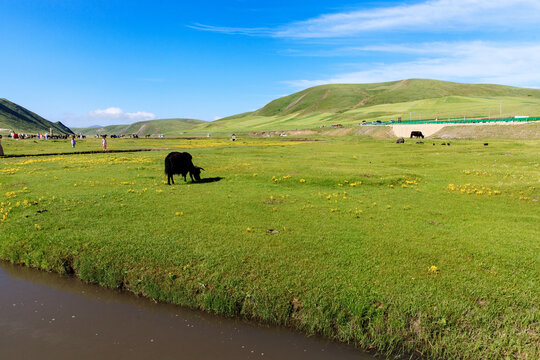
{"x":112,"y":62}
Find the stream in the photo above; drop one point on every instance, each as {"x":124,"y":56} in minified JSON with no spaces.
{"x":48,"y":316}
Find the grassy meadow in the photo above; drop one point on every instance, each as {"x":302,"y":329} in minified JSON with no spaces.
{"x":415,"y":249}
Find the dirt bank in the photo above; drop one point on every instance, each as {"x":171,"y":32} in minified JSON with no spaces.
{"x":503,"y":130}
{"x":508,"y":130}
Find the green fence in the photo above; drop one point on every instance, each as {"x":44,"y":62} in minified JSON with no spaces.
{"x":456,"y":121}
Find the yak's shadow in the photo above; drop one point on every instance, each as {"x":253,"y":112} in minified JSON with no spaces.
{"x":208,"y":180}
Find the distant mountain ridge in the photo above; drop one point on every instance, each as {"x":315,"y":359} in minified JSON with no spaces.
{"x":19,"y":119}
{"x":168,"y":127}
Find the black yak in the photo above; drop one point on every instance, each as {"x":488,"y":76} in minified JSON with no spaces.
{"x":417,"y":134}
{"x":180,"y":163}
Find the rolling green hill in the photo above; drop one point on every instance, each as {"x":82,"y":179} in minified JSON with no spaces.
{"x":409,"y":99}
{"x":168,"y":127}
{"x":336,"y":98}
{"x":18,"y":119}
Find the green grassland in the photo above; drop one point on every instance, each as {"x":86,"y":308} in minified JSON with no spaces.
{"x":404,"y":249}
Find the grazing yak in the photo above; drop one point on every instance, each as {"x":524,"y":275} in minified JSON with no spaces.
{"x":180,"y":163}
{"x":417,"y":134}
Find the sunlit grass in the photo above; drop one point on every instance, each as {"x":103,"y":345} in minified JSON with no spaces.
{"x":395,"y":247}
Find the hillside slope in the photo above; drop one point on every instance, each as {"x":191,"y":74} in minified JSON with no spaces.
{"x":409,"y":99}
{"x":347,"y":97}
{"x":19,"y":119}
{"x":168,"y":127}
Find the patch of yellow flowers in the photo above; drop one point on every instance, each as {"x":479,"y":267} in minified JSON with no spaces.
{"x":9,"y":171}
{"x":475,"y":172}
{"x":5,"y":208}
{"x":279,"y":179}
{"x":473,"y":189}
{"x":351,"y":184}
{"x":12,"y":194}
{"x":408,"y":183}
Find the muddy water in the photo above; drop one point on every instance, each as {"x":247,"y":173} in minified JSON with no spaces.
{"x":46,"y":316}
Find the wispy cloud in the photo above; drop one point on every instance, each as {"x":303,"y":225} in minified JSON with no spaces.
{"x":432,"y":16}
{"x":234,"y":30}
{"x":407,"y":49}
{"x":114,"y":113}
{"x":480,"y":62}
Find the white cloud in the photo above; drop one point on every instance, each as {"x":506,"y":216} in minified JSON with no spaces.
{"x":435,"y":15}
{"x":114,"y":113}
{"x":232,"y":30}
{"x":479,"y":62}
{"x":428,"y":16}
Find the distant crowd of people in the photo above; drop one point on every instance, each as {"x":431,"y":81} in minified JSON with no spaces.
{"x":72,"y":139}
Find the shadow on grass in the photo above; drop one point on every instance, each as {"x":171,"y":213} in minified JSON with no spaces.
{"x":208,"y":180}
